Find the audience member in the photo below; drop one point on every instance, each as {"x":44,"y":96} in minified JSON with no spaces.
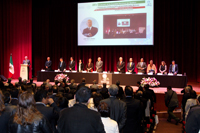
{"x":104,"y":91}
{"x":110,"y":125}
{"x":27,"y":118}
{"x":134,"y":112}
{"x":5,"y":112}
{"x":186,"y":96}
{"x":117,"y":108}
{"x":83,"y":82}
{"x":171,"y":101}
{"x":61,"y":101}
{"x":10,"y":85}
{"x":80,"y":119}
{"x":193,"y":119}
{"x":190,"y":102}
{"x":120,"y":94}
{"x":14,"y":96}
{"x":51,"y":113}
{"x":94,"y":86}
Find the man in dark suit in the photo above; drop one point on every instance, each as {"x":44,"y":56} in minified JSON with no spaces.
{"x":82,"y":83}
{"x":26,"y":61}
{"x":51,"y":113}
{"x":134,"y":112}
{"x":121,"y":65}
{"x":80,"y":119}
{"x":72,"y":64}
{"x":62,"y":65}
{"x":131,"y":66}
{"x":117,"y":107}
{"x":89,"y":66}
{"x":173,"y":68}
{"x":141,"y":66}
{"x":90,"y":31}
{"x":99,"y":65}
{"x":80,"y":66}
{"x":48,"y":64}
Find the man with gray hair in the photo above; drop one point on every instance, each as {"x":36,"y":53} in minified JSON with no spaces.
{"x":117,"y":108}
{"x":99,"y":65}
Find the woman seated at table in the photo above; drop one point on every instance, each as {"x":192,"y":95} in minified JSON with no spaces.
{"x":89,"y":66}
{"x":151,"y":67}
{"x":163,"y":68}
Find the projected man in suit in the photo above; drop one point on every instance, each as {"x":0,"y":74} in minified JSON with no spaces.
{"x":141,"y":66}
{"x":121,"y":65}
{"x":71,"y":64}
{"x":173,"y":68}
{"x":48,"y":64}
{"x":90,"y":31}
{"x":62,"y":65}
{"x":99,"y":65}
{"x":131,"y":66}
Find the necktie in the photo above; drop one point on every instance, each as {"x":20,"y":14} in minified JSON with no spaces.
{"x":130,"y":64}
{"x":173,"y":68}
{"x":120,"y":63}
{"x":26,"y":61}
{"x":88,"y":64}
{"x":60,"y":64}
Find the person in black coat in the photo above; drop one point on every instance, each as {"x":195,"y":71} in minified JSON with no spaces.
{"x":80,"y":119}
{"x":52,"y":112}
{"x":62,"y":65}
{"x":72,"y":64}
{"x":104,"y":91}
{"x":121,"y":65}
{"x":80,"y":66}
{"x":48,"y":64}
{"x":27,"y":119}
{"x":149,"y":94}
{"x":120,"y":94}
{"x":134,"y":112}
{"x":83,"y":80}
{"x":118,"y":108}
{"x":5,"y":112}
{"x":89,"y":66}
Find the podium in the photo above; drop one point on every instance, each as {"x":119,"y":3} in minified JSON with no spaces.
{"x":24,"y":71}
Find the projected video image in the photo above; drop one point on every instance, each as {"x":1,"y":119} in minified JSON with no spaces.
{"x":124,"y":26}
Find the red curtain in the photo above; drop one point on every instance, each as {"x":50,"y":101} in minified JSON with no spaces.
{"x":15,"y":34}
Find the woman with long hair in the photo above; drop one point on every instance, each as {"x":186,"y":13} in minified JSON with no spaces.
{"x":27,"y":119}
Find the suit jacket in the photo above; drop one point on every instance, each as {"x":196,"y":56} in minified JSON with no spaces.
{"x":80,"y":119}
{"x":93,"y":31}
{"x":117,"y":110}
{"x":5,"y":116}
{"x":141,"y":65}
{"x":121,"y":67}
{"x":62,"y":67}
{"x":51,"y":113}
{"x":99,"y":66}
{"x":82,"y":67}
{"x":72,"y":65}
{"x":132,"y":67}
{"x":176,"y":68}
{"x":193,"y":120}
{"x":89,"y":67}
{"x":134,"y":115}
{"x":48,"y":64}
{"x":28,"y":62}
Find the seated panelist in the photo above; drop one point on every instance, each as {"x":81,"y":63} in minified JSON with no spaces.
{"x":151,"y":67}
{"x":163,"y":68}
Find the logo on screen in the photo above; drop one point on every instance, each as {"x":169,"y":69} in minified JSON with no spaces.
{"x":123,"y":22}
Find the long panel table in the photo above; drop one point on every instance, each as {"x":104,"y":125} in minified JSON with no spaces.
{"x":125,"y":79}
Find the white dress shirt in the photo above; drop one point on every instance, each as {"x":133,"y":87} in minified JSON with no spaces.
{"x":110,"y":125}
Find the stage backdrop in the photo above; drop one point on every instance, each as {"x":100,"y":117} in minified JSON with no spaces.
{"x":176,"y":37}
{"x":15,"y":34}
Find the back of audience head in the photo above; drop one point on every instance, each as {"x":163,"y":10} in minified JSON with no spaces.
{"x":61,"y":101}
{"x":193,"y":94}
{"x":113,"y":90}
{"x":94,"y":82}
{"x":20,"y":79}
{"x":187,"y":89}
{"x":41,"y":96}
{"x":138,"y":83}
{"x":139,"y":93}
{"x":117,"y":82}
{"x":72,"y":81}
{"x":31,"y":80}
{"x":191,"y":88}
{"x":97,"y":98}
{"x":129,"y":91}
{"x":83,"y":94}
{"x":104,"y":85}
{"x":169,"y":88}
{"x":146,"y":87}
{"x":56,"y":82}
{"x":7,"y":97}
{"x":14,"y":93}
{"x":2,"y":106}
{"x":104,"y":109}
{"x":83,"y":80}
{"x":26,"y":111}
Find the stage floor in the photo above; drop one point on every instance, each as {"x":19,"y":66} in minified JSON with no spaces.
{"x":159,"y":90}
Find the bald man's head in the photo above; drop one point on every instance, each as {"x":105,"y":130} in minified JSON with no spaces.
{"x":89,"y":23}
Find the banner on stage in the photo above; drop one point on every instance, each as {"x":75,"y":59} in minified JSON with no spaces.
{"x":105,"y":78}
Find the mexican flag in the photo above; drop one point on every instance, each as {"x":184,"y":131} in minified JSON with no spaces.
{"x":11,"y":67}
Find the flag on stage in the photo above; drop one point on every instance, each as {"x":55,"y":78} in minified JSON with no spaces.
{"x":11,"y":67}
